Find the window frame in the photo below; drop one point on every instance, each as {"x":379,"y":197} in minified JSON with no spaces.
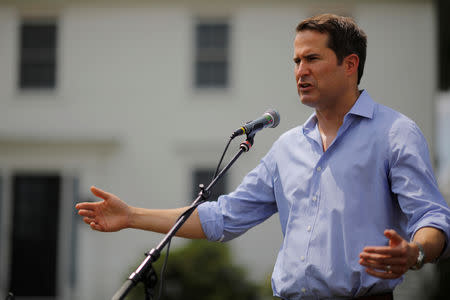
{"x":37,"y":59}
{"x":443,"y":7}
{"x":208,"y":56}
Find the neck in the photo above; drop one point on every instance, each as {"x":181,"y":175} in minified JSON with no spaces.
{"x":331,"y":117}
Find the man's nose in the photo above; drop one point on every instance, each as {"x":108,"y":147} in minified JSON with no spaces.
{"x":302,"y":70}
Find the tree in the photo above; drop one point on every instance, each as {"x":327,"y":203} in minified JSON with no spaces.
{"x":201,"y":270}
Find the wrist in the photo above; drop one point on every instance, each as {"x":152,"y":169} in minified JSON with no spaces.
{"x":420,"y":258}
{"x":131,"y":217}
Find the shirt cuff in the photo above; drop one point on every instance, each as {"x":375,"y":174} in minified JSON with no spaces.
{"x":211,"y":220}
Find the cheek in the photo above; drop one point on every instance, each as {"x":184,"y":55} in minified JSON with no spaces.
{"x":329,"y":76}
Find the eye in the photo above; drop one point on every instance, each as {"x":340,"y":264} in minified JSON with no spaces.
{"x":297,"y":61}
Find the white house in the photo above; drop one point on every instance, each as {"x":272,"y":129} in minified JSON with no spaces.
{"x":443,"y":143}
{"x":140,"y":97}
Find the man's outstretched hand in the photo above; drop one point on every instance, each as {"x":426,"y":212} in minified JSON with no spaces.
{"x":110,"y":214}
{"x":392,"y":261}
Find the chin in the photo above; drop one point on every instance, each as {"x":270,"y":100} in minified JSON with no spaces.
{"x":308,"y":101}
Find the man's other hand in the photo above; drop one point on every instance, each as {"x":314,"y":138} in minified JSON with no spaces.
{"x":392,"y":261}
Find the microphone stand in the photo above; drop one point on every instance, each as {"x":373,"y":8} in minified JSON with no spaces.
{"x":145,"y":272}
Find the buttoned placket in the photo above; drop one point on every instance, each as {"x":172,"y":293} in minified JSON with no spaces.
{"x":315,"y":211}
{"x":319,"y":169}
{"x":314,"y":136}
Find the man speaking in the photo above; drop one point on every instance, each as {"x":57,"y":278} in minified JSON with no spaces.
{"x":357,"y":200}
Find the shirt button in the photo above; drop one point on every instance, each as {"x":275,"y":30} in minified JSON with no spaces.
{"x":303,"y":290}
{"x":302,"y":258}
{"x":319,"y":168}
{"x":309,"y":228}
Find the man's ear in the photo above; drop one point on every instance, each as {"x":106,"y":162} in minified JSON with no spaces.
{"x":351,"y":63}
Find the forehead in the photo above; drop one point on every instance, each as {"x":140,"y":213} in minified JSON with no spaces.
{"x":310,"y":41}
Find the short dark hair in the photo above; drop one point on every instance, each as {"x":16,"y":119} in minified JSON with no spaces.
{"x":344,"y":36}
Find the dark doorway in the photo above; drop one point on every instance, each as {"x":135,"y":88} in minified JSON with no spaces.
{"x":35,"y":235}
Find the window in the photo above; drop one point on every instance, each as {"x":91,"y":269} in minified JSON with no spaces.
{"x":33,"y":265}
{"x":211,"y":62}
{"x":39,"y":246}
{"x":37,"y":65}
{"x":444,"y":44}
{"x":204,"y":176}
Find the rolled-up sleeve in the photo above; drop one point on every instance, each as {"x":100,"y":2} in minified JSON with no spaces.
{"x":413,"y":182}
{"x":211,"y":220}
{"x":233,"y":214}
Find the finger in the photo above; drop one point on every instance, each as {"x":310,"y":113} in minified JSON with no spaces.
{"x":393,"y":254}
{"x":392,"y":235}
{"x":383,"y":275}
{"x":385,"y":251}
{"x":100,"y":193}
{"x":385,"y":260}
{"x":96,"y":226}
{"x":91,"y":222}
{"x":86,"y":213}
{"x":373,"y":255}
{"x":373,"y":265}
{"x":87,"y":205}
{"x":394,"y":267}
{"x":88,"y":220}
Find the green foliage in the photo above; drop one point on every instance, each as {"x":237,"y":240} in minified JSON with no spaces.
{"x":266,"y":288}
{"x":201,"y":270}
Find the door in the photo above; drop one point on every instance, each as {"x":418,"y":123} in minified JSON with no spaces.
{"x":34,"y":241}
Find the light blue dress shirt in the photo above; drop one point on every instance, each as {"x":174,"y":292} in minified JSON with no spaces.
{"x":376,"y":175}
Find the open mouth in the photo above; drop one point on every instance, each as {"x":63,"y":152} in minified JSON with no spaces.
{"x":304,"y":85}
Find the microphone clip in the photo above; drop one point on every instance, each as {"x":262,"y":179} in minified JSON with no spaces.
{"x":204,"y":194}
{"x":248,"y":143}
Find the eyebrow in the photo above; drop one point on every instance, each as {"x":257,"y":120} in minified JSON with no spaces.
{"x":310,"y":55}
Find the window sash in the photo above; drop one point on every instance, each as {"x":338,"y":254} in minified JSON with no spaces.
{"x":38,"y":51}
{"x":211,"y":61}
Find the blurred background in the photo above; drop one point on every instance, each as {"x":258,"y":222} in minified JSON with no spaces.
{"x":139,"y":98}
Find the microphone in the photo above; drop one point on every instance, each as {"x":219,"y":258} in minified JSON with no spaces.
{"x":270,"y":118}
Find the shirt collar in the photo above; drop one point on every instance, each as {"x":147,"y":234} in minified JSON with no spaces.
{"x":364,"y":107}
{"x":310,"y":123}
